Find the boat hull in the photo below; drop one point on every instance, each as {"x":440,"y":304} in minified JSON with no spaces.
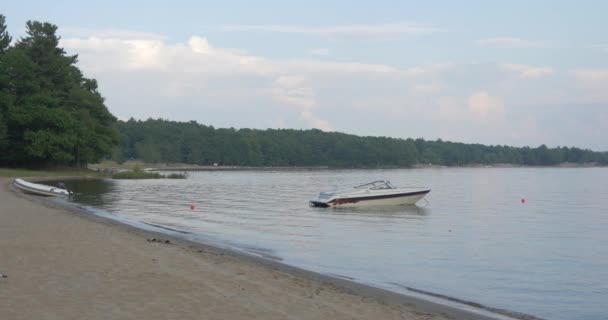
{"x":40,"y":190}
{"x":408,"y":198}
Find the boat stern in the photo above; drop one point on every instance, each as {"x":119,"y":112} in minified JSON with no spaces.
{"x":317,"y":204}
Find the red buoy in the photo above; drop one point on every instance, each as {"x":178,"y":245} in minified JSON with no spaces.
{"x":192,"y":207}
{"x":523,"y":200}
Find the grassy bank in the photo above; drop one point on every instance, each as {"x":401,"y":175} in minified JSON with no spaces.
{"x":146,"y":175}
{"x":21,"y":173}
{"x":138,"y":173}
{"x":135,"y":174}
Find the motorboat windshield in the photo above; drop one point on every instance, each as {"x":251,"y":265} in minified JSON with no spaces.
{"x":376,"y":185}
{"x":324,"y":196}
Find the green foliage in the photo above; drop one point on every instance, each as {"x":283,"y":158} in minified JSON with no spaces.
{"x":50,"y":114}
{"x":5,"y":39}
{"x":176,"y":176}
{"x":137,"y":175}
{"x":3,"y":135}
{"x":69,"y":172}
{"x":190,"y":142}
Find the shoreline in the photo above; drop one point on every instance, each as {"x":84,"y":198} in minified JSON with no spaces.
{"x":430,"y":301}
{"x":424,"y":304}
{"x":192,"y":167}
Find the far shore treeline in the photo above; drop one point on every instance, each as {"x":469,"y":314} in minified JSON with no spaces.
{"x":157,"y":141}
{"x":51,"y":115}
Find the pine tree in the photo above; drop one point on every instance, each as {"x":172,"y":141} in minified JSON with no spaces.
{"x":53,"y":115}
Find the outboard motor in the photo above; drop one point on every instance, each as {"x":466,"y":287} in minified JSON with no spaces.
{"x":62,"y":186}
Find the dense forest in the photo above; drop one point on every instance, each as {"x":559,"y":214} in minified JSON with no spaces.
{"x":189,"y":142}
{"x":50,"y":114}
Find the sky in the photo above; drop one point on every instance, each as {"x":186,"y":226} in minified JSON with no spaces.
{"x":500,"y":73}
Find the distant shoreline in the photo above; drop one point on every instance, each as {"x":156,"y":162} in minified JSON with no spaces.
{"x":237,"y":168}
{"x":510,"y":165}
{"x":192,"y":167}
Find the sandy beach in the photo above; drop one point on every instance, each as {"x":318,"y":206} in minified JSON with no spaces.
{"x":64,"y":264}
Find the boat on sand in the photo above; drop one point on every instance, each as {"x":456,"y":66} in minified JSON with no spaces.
{"x":41,"y":189}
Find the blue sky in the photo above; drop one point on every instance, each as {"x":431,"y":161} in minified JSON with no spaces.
{"x":516,"y":72}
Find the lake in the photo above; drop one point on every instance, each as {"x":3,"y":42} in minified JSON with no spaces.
{"x":475,"y":239}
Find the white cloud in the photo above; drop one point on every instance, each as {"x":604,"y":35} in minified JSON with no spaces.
{"x":192,"y":65}
{"x":314,"y":66}
{"x":279,"y":123}
{"x":510,"y":42}
{"x":111,"y":53}
{"x":525,"y":71}
{"x":293,"y":91}
{"x":77,"y":32}
{"x":451,"y":108}
{"x":402,"y":28}
{"x":198,"y":80}
{"x":198,"y":55}
{"x":425,"y":89}
{"x":316,"y":122}
{"x":485,"y":107}
{"x":318,"y":52}
{"x":528,"y":129}
{"x":428,"y":70}
{"x":594,"y":82}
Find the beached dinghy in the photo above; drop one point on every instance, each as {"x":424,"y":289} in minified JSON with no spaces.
{"x":377,"y":193}
{"x":41,"y":189}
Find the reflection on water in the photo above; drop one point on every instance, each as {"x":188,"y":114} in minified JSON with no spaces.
{"x":92,"y":192}
{"x":474,"y":240}
{"x":382,"y":211}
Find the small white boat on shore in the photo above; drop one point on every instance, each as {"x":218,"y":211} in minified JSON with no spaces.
{"x":41,"y":189}
{"x":377,"y":193}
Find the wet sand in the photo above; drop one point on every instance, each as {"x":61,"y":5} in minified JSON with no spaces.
{"x":63,"y":263}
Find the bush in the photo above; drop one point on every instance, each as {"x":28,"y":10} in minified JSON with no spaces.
{"x":177,"y":176}
{"x":137,"y":175}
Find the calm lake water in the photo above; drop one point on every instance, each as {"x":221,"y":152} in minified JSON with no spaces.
{"x":474,"y":240}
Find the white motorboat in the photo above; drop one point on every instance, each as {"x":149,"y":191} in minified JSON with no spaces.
{"x":41,"y":189}
{"x":377,"y":193}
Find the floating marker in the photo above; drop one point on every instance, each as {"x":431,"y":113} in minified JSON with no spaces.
{"x":523,"y":200}
{"x":192,"y":207}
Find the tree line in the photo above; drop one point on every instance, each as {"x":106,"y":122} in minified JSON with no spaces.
{"x":164,"y":141}
{"x":50,"y":114}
